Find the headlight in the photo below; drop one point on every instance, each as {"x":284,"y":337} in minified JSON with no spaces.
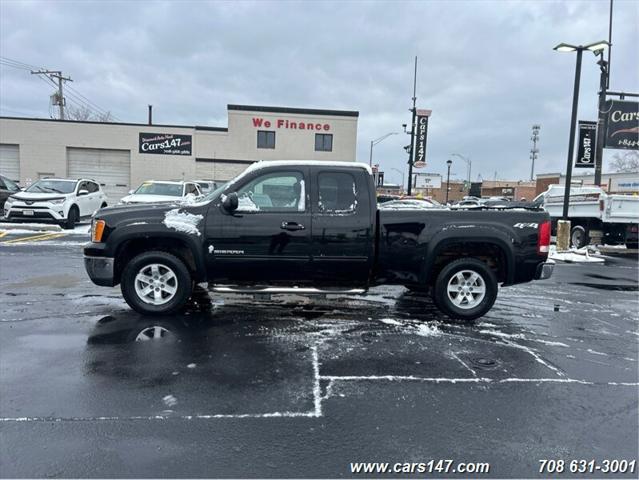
{"x":57,"y":201}
{"x":9,"y":201}
{"x":97,"y":229}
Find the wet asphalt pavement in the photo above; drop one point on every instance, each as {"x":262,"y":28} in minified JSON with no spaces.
{"x":292,"y":387}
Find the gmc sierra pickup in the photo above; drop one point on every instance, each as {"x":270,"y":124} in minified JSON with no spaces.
{"x":313,"y":227}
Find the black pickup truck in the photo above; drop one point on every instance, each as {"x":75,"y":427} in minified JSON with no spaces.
{"x":313,"y":227}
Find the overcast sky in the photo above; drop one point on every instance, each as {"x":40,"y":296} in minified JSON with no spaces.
{"x":486,"y":69}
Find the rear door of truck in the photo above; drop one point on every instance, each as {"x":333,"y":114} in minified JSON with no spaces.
{"x":343,"y":234}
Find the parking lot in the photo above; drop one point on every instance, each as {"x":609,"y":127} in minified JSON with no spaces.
{"x":288,"y":386}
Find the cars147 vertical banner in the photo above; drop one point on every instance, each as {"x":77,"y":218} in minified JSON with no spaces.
{"x":622,"y":125}
{"x":586,"y":147}
{"x":420,"y":138}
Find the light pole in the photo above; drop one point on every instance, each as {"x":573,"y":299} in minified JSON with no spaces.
{"x":469,"y":165}
{"x":564,"y":47}
{"x":449,"y":162}
{"x":375,"y":142}
{"x":401,"y":173}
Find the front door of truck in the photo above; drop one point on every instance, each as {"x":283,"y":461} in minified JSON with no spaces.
{"x":343,"y":234}
{"x":267,"y":240}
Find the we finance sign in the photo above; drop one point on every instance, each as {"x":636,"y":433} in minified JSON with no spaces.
{"x":288,"y":124}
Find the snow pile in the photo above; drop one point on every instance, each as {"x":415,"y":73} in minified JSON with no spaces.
{"x":424,"y":330}
{"x":581,"y":255}
{"x":183,"y":221}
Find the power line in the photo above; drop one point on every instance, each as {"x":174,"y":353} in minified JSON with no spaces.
{"x":57,"y":74}
{"x":81,"y":101}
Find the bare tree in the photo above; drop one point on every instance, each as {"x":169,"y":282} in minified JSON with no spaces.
{"x":626,"y":162}
{"x":85,"y":113}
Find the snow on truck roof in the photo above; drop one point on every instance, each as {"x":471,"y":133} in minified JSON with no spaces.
{"x":309,"y":163}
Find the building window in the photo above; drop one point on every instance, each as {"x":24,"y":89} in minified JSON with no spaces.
{"x":323,"y":142}
{"x":265,"y":139}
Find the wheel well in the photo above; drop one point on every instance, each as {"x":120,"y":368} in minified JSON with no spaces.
{"x":131,"y":248}
{"x":491,"y":254}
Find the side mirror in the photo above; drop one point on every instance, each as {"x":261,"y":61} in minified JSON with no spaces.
{"x":83,"y":192}
{"x":131,"y":192}
{"x":230,"y":202}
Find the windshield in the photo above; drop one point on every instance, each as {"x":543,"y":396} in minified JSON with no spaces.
{"x":215,"y":193}
{"x":52,"y":186}
{"x":167,"y":189}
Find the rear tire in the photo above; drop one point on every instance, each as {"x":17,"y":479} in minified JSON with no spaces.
{"x":156,"y":283}
{"x":579,"y":237}
{"x":465,"y":289}
{"x":72,"y":218}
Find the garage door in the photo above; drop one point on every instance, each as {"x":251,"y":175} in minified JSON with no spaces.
{"x":10,"y":161}
{"x":110,"y":168}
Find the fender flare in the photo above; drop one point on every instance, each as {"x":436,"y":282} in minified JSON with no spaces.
{"x":438,"y":245}
{"x":123,"y":235}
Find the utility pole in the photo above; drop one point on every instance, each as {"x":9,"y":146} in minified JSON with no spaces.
{"x":411,"y":150}
{"x":51,"y":74}
{"x":601,"y":120}
{"x":534,"y":151}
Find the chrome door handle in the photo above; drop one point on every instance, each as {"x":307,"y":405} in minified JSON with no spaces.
{"x":291,"y":226}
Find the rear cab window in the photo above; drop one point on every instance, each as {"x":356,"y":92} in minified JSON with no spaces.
{"x":337,"y":193}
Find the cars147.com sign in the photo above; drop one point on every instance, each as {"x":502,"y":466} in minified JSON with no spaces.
{"x":165,"y":144}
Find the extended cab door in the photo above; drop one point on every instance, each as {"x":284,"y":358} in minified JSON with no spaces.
{"x":343,"y":226}
{"x":267,"y":239}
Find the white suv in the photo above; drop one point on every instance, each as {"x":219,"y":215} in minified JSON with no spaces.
{"x":154,"y":191}
{"x":65,"y":201}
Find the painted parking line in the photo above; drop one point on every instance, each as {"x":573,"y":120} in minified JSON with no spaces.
{"x":35,"y":238}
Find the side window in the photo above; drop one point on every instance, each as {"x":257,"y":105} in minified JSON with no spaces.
{"x":190,"y":188}
{"x":337,"y":193}
{"x":92,"y":187}
{"x":273,"y":192}
{"x":323,"y":142}
{"x":82,"y":186}
{"x":265,"y":139}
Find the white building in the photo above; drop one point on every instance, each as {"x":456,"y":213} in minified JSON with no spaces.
{"x":121,"y":155}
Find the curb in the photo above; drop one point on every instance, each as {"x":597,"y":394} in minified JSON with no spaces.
{"x":30,"y":226}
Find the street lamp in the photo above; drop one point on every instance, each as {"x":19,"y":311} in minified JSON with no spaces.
{"x":375,"y":142}
{"x":449,"y":162}
{"x":400,"y":172}
{"x":469,"y":164}
{"x":565,"y":47}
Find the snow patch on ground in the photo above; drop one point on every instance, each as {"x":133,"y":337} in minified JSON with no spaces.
{"x":182,"y":221}
{"x":390,"y":321}
{"x":581,"y":255}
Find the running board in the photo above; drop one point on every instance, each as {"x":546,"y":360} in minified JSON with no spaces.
{"x":289,"y":290}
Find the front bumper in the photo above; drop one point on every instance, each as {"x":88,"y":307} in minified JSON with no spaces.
{"x":40,"y":210}
{"x":544,"y":270}
{"x":100,"y":270}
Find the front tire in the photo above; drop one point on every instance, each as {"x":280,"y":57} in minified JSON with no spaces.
{"x":72,"y":218}
{"x":465,"y":289}
{"x":156,"y":283}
